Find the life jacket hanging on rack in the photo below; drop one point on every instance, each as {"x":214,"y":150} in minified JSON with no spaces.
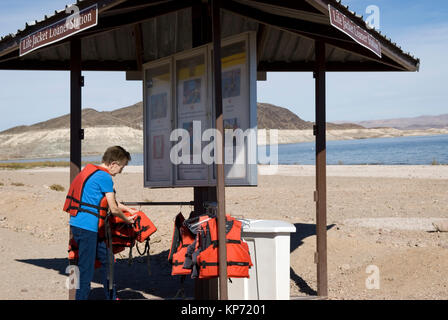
{"x":238,"y":256}
{"x":182,"y":238}
{"x":73,"y":199}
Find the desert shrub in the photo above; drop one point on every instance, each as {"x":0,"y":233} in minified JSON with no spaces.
{"x":57,"y":187}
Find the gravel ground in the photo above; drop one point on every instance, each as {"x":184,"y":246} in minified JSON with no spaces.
{"x":379,"y":217}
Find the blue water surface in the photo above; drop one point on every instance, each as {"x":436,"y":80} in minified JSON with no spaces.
{"x":419,"y":150}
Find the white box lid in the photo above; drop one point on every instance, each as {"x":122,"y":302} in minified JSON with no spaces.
{"x":272,"y":226}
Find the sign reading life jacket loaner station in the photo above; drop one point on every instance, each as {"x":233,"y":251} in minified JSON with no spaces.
{"x":179,"y":116}
{"x":77,"y":22}
{"x":343,"y":23}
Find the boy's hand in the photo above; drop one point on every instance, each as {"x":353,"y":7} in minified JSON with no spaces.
{"x":132,"y":211}
{"x":130,"y":220}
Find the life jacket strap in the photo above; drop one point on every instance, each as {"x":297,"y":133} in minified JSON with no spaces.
{"x":86,"y":204}
{"x":119,"y":236}
{"x":216,"y":242}
{"x":229,"y":263}
{"x":79,"y":209}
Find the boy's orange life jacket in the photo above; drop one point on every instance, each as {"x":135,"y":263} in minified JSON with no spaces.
{"x":124,"y":235}
{"x":73,"y":202}
{"x":238,"y":256}
{"x":182,"y":238}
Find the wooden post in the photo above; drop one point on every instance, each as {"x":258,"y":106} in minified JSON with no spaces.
{"x":321,"y":180}
{"x":75,"y":117}
{"x":220,"y":186}
{"x":204,"y":289}
{"x":75,"y":107}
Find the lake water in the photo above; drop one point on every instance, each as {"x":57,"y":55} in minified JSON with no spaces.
{"x":421,"y":150}
{"x":387,"y":151}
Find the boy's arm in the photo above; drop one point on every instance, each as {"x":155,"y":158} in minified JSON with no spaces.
{"x":126,"y":208}
{"x":115,"y":209}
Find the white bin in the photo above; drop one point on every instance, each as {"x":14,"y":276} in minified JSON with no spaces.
{"x":269,"y":245}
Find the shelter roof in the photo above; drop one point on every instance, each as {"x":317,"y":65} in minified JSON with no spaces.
{"x":131,"y":32}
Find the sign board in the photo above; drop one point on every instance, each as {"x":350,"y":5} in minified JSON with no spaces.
{"x":62,"y":29}
{"x":179,"y":116}
{"x":361,"y":36}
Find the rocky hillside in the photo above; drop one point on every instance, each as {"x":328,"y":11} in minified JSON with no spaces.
{"x":131,"y":116}
{"x":123,"y":126}
{"x":269,"y":117}
{"x":274,"y":117}
{"x":422,"y":122}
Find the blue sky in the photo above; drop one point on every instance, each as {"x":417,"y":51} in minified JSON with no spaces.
{"x":418,"y":26}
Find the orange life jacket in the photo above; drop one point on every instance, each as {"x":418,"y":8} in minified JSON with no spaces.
{"x":124,"y":235}
{"x":181,"y":240}
{"x":73,"y":202}
{"x":73,"y":255}
{"x":238,"y":256}
{"x":143,"y":226}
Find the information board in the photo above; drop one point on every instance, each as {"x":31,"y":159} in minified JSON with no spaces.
{"x":179,"y":116}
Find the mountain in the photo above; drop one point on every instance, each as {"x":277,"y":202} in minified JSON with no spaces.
{"x":421,"y":122}
{"x":269,"y":117}
{"x":131,"y":116}
{"x":51,"y":138}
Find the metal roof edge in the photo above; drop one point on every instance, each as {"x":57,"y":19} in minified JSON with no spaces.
{"x":410,"y":62}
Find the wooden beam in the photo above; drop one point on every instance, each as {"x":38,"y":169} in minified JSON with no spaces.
{"x":75,"y":107}
{"x":138,"y":37}
{"x":200,"y":23}
{"x":300,"y":66}
{"x":129,"y":18}
{"x":321,"y":172}
{"x":204,"y":289}
{"x":262,"y":36}
{"x":283,"y":22}
{"x":56,"y":65}
{"x":75,"y":117}
{"x":220,"y":186}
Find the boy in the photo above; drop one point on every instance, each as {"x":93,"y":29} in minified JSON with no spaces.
{"x":91,"y":194}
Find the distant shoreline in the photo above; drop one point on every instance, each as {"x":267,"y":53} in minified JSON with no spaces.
{"x":435,"y":172}
{"x":54,"y":144}
{"x":299,"y":136}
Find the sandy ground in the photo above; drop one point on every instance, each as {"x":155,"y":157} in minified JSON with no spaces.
{"x":378,"y":216}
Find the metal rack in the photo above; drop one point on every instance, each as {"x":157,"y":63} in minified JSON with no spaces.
{"x":163,"y":203}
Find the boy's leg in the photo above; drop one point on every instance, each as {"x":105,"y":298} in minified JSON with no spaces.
{"x":86,"y":241}
{"x":102,"y":254}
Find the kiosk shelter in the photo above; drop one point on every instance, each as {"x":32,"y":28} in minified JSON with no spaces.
{"x":316,"y":36}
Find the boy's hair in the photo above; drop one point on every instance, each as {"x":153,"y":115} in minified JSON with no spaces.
{"x":116,"y":153}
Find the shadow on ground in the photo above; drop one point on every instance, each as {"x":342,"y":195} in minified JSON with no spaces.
{"x":302,"y":231}
{"x":132,"y":281}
